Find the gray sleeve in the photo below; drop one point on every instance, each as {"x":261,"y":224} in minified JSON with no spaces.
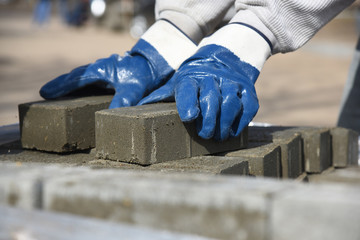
{"x":288,"y":24}
{"x":196,"y":18}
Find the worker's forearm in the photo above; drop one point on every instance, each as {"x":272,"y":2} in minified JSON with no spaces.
{"x":288,"y":24}
{"x":196,"y":18}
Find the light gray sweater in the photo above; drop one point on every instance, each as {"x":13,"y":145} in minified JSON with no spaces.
{"x":288,"y":24}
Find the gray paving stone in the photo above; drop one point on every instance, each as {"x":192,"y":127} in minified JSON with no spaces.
{"x":291,"y":154}
{"x":20,"y":189}
{"x":212,"y":206}
{"x":151,"y":134}
{"x":349,"y":176}
{"x":222,"y":207}
{"x":316,"y":212}
{"x":344,"y":147}
{"x":290,"y":144}
{"x":60,"y":125}
{"x":344,"y":144}
{"x":22,"y":185}
{"x":316,"y":144}
{"x":21,"y":224}
{"x":205,"y":164}
{"x":264,"y":160}
{"x":317,"y":149}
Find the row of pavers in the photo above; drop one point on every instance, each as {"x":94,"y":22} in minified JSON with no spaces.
{"x":153,"y":136}
{"x":173,"y":206}
{"x":205,"y":205}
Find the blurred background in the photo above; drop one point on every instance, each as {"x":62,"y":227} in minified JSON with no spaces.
{"x":38,"y":42}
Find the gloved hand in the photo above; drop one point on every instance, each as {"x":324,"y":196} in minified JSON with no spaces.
{"x":215,"y":86}
{"x":149,"y":63}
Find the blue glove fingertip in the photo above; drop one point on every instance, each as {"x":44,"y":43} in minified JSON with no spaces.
{"x":188,"y":114}
{"x":119,"y":101}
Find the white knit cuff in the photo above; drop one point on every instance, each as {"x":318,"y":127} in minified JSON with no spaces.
{"x":243,"y":41}
{"x":173,"y":45}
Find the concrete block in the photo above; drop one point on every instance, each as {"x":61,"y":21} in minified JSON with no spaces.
{"x":22,"y":224}
{"x":316,"y":212}
{"x":20,"y":189}
{"x":317,"y":149}
{"x":205,"y":164}
{"x":291,"y":154}
{"x":263,"y":160}
{"x":213,"y":206}
{"x":60,"y":125}
{"x":316,"y":145}
{"x":151,"y":134}
{"x":290,"y":143}
{"x":22,"y":185}
{"x":344,"y":147}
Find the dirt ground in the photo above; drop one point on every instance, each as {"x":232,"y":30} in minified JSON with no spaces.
{"x":300,"y":88}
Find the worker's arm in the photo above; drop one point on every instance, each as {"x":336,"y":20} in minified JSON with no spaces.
{"x":197,"y":18}
{"x":288,"y":24}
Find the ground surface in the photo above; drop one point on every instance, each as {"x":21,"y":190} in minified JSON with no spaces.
{"x":302,"y":88}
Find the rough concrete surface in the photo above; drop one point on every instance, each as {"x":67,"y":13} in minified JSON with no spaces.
{"x":17,"y":223}
{"x":316,"y":146}
{"x":291,"y":156}
{"x":264,"y":160}
{"x":60,"y":125}
{"x":317,"y":149}
{"x":350,"y":175}
{"x":206,"y":164}
{"x":342,"y":151}
{"x":21,"y":186}
{"x":291,"y":145}
{"x":316,"y":212}
{"x":345,"y":149}
{"x":206,"y":205}
{"x":151,"y":134}
{"x":225,"y":208}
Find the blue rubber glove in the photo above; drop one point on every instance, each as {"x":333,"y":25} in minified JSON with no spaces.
{"x":148,"y":65}
{"x":215,"y":86}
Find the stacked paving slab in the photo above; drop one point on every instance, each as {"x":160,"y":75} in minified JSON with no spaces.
{"x":162,"y":180}
{"x":152,"y":137}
